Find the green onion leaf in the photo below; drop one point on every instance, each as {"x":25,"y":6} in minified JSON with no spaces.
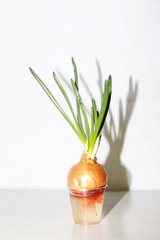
{"x":47,"y":91}
{"x":79,"y":119}
{"x":69,"y":103}
{"x":103,"y":113}
{"x":92,"y":123}
{"x":75,"y":73}
{"x":80,"y":102}
{"x":94,"y":111}
{"x":89,"y":137}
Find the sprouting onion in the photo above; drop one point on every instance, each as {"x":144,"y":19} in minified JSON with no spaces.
{"x":89,"y":134}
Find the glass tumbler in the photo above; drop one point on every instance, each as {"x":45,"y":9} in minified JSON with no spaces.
{"x":87,"y":205}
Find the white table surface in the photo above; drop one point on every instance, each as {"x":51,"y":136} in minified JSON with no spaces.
{"x":46,"y":214}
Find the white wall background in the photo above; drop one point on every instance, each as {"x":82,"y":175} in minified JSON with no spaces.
{"x":37,"y":147}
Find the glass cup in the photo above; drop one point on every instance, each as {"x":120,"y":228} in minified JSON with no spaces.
{"x":87,"y":205}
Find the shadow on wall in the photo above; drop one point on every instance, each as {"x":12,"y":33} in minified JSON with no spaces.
{"x":119,"y":175}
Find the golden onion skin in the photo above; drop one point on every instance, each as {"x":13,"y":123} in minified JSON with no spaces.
{"x":87,"y":174}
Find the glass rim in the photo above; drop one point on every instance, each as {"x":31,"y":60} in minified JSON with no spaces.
{"x":87,"y":189}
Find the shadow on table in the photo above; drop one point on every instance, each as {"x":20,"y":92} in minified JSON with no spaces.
{"x":111,"y":199}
